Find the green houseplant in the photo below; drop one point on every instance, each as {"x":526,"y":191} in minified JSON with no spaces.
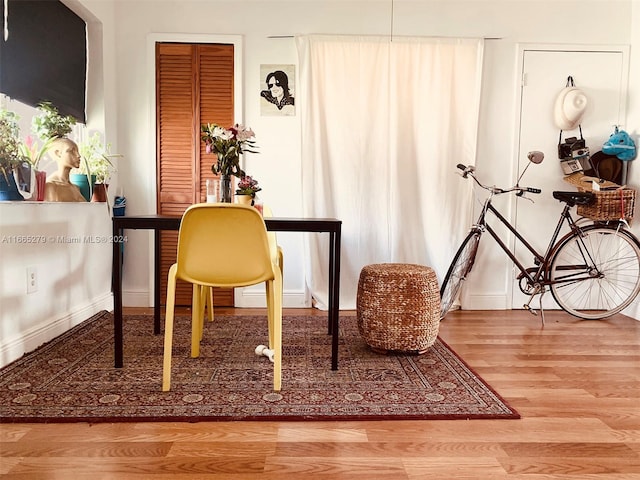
{"x":10,"y":155}
{"x":96,"y":165}
{"x":50,"y":124}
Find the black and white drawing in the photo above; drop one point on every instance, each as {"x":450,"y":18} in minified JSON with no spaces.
{"x":277,"y":97}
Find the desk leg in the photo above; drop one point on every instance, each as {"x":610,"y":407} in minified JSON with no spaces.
{"x":332,"y":281}
{"x":116,"y":268}
{"x":334,"y":295}
{"x":156,"y":282}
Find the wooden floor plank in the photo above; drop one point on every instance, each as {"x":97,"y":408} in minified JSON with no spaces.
{"x":576,"y":384}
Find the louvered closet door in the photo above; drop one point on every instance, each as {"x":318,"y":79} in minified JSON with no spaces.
{"x":194,"y":85}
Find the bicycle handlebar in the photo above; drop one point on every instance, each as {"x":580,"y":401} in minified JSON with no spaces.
{"x":520,"y":191}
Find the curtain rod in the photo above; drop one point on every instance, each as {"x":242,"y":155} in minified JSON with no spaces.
{"x":428,"y":36}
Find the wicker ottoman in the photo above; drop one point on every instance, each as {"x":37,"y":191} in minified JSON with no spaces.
{"x":398,"y":307}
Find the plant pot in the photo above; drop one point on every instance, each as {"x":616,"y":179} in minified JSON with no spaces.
{"x":244,"y":199}
{"x":100,"y":192}
{"x":8,"y":188}
{"x":81,"y":181}
{"x":41,"y":181}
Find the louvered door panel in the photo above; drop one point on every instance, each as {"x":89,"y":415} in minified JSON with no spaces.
{"x":183,"y":165}
{"x":216,"y":88}
{"x":175,"y":95}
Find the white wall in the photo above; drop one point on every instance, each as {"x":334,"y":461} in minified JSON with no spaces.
{"x":67,"y":245}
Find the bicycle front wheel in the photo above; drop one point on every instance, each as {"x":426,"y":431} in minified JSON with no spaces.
{"x":458,"y":271}
{"x":596,"y":274}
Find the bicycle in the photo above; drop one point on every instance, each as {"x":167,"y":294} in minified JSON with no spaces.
{"x":593,"y":271}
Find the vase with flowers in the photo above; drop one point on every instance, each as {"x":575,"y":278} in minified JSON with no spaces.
{"x":247,"y":189}
{"x":227,"y":144}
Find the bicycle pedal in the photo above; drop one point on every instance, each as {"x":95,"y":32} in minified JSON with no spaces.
{"x":530,"y":310}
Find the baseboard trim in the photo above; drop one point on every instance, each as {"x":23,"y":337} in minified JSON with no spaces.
{"x":245,"y":298}
{"x":484,"y":302}
{"x":13,"y":348}
{"x":136,"y":298}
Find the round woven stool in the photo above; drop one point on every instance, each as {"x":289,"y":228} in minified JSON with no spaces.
{"x":398,"y":307}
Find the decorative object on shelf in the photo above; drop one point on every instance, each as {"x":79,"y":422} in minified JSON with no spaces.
{"x":10,"y":155}
{"x":59,"y":187}
{"x":227,"y":144}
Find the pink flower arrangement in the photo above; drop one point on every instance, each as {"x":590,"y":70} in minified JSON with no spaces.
{"x":247,"y":186}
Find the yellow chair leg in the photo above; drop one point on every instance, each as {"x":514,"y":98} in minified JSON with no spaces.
{"x":270,"y":312}
{"x":196,"y":321}
{"x":276,"y":335}
{"x":168,"y":329}
{"x":274,"y":319}
{"x":209,"y":294}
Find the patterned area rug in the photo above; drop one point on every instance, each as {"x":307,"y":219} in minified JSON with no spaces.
{"x":72,"y":378}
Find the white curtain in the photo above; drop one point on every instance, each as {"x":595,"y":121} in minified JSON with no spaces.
{"x":384,"y":124}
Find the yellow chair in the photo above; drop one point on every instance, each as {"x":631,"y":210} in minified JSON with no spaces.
{"x":224,"y":245}
{"x":206,"y":298}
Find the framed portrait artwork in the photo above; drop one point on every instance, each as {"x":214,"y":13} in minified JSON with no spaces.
{"x":277,"y":94}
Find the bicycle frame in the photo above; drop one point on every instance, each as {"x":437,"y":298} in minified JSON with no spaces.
{"x":540,"y":276}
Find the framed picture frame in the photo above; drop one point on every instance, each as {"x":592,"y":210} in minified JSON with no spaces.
{"x":277,"y":93}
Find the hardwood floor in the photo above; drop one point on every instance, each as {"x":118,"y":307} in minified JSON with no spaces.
{"x":576,"y":384}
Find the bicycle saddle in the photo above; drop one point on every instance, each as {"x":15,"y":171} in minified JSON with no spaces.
{"x":574,"y":198}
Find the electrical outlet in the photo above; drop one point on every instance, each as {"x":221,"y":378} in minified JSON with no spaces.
{"x":32,"y":279}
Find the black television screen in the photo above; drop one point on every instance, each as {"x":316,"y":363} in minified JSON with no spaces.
{"x":45,"y":56}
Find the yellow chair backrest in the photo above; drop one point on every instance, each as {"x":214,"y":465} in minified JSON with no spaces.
{"x":223,"y":245}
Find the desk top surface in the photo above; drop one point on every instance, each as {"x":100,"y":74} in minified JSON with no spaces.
{"x":283,"y":224}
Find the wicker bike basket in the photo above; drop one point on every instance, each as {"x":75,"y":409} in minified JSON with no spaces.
{"x":610,"y":205}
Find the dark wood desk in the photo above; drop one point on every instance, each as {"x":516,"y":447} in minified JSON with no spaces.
{"x":158,"y":223}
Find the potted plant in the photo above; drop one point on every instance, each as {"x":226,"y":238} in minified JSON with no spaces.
{"x":246,"y":190}
{"x":11,"y":157}
{"x":95,"y":167}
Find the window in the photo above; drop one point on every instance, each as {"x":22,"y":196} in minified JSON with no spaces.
{"x":45,"y":56}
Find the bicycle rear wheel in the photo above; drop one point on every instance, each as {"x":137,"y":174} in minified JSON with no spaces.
{"x":458,"y":271}
{"x":596,"y":274}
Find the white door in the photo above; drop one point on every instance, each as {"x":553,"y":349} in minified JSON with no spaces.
{"x":602,"y":75}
